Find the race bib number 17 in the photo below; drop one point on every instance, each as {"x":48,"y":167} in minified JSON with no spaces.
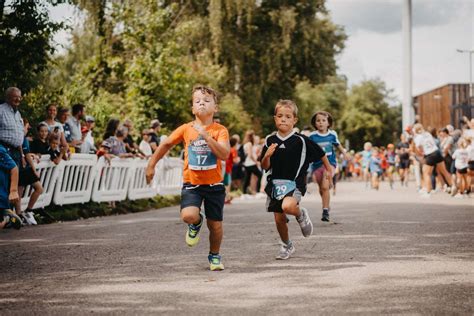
{"x":200,"y":156}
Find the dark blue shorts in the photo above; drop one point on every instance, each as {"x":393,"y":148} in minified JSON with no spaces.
{"x":213,"y":196}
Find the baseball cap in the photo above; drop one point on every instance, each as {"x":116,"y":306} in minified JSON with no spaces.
{"x":105,"y":144}
{"x":155,"y":123}
{"x":90,"y":118}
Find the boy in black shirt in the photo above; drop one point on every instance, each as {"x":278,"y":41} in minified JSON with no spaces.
{"x":287,"y":155}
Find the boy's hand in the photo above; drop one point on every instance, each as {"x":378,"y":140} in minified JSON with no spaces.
{"x":13,"y":197}
{"x":201,"y":130}
{"x":150,"y":173}
{"x":271,"y":150}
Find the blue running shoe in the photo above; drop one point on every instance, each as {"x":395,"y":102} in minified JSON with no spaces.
{"x":215,"y":262}
{"x":192,"y":235}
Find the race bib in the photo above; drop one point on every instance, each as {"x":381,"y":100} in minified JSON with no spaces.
{"x":200,"y":156}
{"x":326,"y":147}
{"x":282,"y":187}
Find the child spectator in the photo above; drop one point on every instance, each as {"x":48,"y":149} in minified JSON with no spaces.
{"x":40,"y":145}
{"x":54,"y":151}
{"x":28,"y":176}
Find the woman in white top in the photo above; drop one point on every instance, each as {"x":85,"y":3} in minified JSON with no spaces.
{"x":144,"y":146}
{"x":250,"y":162}
{"x":425,"y":145}
{"x":55,"y":127}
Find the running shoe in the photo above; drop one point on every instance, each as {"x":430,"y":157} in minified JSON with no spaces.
{"x":325,"y":216}
{"x":454,"y":190}
{"x":13,"y":220}
{"x":285,"y":251}
{"x":29,"y":218}
{"x":305,"y":223}
{"x":215,"y":262}
{"x":192,"y":235}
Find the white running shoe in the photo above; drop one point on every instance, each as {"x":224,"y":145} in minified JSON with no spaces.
{"x":285,"y":252}
{"x":29,"y":218}
{"x":305,"y":223}
{"x":425,"y":195}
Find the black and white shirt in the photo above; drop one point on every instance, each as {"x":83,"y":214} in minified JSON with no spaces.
{"x":291,"y":158}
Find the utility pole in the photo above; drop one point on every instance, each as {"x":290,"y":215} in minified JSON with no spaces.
{"x":470,"y":52}
{"x":408,"y":113}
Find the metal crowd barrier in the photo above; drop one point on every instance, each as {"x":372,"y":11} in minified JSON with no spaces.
{"x":83,"y":178}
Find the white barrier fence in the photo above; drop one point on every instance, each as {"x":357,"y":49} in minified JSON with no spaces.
{"x":83,"y":178}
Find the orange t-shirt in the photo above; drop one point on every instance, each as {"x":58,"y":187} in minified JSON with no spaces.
{"x":201,"y":166}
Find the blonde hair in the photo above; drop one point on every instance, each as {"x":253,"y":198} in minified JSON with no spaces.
{"x":418,"y":128}
{"x":286,"y":104}
{"x":205,"y":90}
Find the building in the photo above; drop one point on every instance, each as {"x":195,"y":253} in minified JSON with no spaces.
{"x":444,"y":105}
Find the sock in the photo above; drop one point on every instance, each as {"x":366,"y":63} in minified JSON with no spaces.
{"x":213,"y":254}
{"x":326,"y":209}
{"x":299,"y":217}
{"x":289,"y":243}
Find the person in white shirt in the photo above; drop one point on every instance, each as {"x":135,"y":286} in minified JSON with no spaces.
{"x":144,"y":146}
{"x":461,"y":162}
{"x":425,"y":146}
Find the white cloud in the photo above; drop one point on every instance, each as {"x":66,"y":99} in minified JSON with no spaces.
{"x":374,"y":47}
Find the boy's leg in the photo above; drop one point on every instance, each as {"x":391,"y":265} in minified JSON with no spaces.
{"x":290,"y":206}
{"x":287,"y":248}
{"x":215,"y":235}
{"x":38,"y":190}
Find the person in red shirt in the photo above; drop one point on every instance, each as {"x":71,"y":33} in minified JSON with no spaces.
{"x":229,"y":164}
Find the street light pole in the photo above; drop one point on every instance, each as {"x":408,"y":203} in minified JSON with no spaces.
{"x":408,"y":114}
{"x":470,"y":52}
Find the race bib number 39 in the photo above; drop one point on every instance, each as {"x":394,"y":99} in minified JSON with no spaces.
{"x":281,"y":187}
{"x":200,"y":156}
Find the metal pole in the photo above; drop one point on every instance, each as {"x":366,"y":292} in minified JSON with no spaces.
{"x":470,"y":76}
{"x":408,"y":114}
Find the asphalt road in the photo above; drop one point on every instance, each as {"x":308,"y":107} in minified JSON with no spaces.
{"x":388,"y":252}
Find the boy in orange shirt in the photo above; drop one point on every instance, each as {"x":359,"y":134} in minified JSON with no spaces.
{"x":206,"y":145}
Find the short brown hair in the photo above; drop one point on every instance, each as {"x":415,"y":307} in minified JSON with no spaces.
{"x":286,"y":104}
{"x":323,"y":113}
{"x":205,"y":90}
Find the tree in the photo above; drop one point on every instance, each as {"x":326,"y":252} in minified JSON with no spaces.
{"x":368,"y":115}
{"x":25,"y":42}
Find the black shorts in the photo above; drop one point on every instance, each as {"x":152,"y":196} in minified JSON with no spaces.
{"x":237,"y":172}
{"x":213,"y":196}
{"x":434,"y":158}
{"x":404,"y":163}
{"x":275,"y":206}
{"x":27,"y":177}
{"x":471,"y":165}
{"x":462,"y":171}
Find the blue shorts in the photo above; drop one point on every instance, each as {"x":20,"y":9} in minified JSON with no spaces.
{"x":213,"y":196}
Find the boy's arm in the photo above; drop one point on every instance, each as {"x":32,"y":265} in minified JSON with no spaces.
{"x":13,"y":195}
{"x":162,"y":149}
{"x":219,"y":148}
{"x":267,"y":154}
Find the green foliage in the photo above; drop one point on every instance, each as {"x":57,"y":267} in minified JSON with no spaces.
{"x":368,"y":115}
{"x":25,"y":42}
{"x":330,"y":96}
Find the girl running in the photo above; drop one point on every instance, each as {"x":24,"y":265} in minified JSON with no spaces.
{"x":326,"y":139}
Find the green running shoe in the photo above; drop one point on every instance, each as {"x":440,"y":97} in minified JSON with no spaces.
{"x":215,"y":262}
{"x":192,"y":235}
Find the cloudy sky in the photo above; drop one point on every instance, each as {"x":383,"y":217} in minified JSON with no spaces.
{"x":374,"y":46}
